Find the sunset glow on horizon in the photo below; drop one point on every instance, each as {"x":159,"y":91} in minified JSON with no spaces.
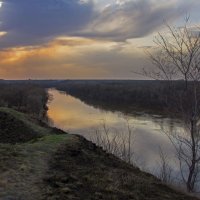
{"x":105,"y":39}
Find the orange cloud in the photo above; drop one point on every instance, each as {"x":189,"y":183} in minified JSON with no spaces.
{"x":71,"y":57}
{"x":57,"y":59}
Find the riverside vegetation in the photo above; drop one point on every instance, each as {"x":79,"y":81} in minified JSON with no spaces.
{"x":40,"y":162}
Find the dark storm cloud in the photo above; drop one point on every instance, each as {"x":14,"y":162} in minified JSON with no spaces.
{"x":34,"y":21}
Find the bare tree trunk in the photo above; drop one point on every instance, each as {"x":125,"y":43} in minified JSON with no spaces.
{"x":191,"y":178}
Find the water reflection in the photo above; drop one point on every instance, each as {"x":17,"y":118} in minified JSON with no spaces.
{"x":74,"y":116}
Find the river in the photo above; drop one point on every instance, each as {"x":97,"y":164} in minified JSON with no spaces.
{"x":72,"y":115}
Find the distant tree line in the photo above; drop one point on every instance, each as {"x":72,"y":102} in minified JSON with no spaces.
{"x":125,"y":96}
{"x":27,"y":98}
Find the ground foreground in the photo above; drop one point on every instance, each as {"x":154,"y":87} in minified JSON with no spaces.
{"x":49,"y":164}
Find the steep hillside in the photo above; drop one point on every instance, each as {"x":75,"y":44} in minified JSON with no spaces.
{"x":16,"y":127}
{"x":49,"y":164}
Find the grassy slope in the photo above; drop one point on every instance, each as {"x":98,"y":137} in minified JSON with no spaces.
{"x":63,"y":166}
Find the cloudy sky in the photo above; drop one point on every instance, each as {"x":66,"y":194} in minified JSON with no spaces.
{"x":58,"y":39}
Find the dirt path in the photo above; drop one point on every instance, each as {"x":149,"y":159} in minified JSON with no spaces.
{"x":23,"y":167}
{"x":68,"y":167}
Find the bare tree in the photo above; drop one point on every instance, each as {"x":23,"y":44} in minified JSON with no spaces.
{"x":165,"y":171}
{"x":177,"y":57}
{"x":116,"y":141}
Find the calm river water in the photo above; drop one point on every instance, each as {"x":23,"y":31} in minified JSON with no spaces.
{"x":72,"y":115}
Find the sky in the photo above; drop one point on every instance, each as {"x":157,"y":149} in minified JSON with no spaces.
{"x":83,"y":39}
